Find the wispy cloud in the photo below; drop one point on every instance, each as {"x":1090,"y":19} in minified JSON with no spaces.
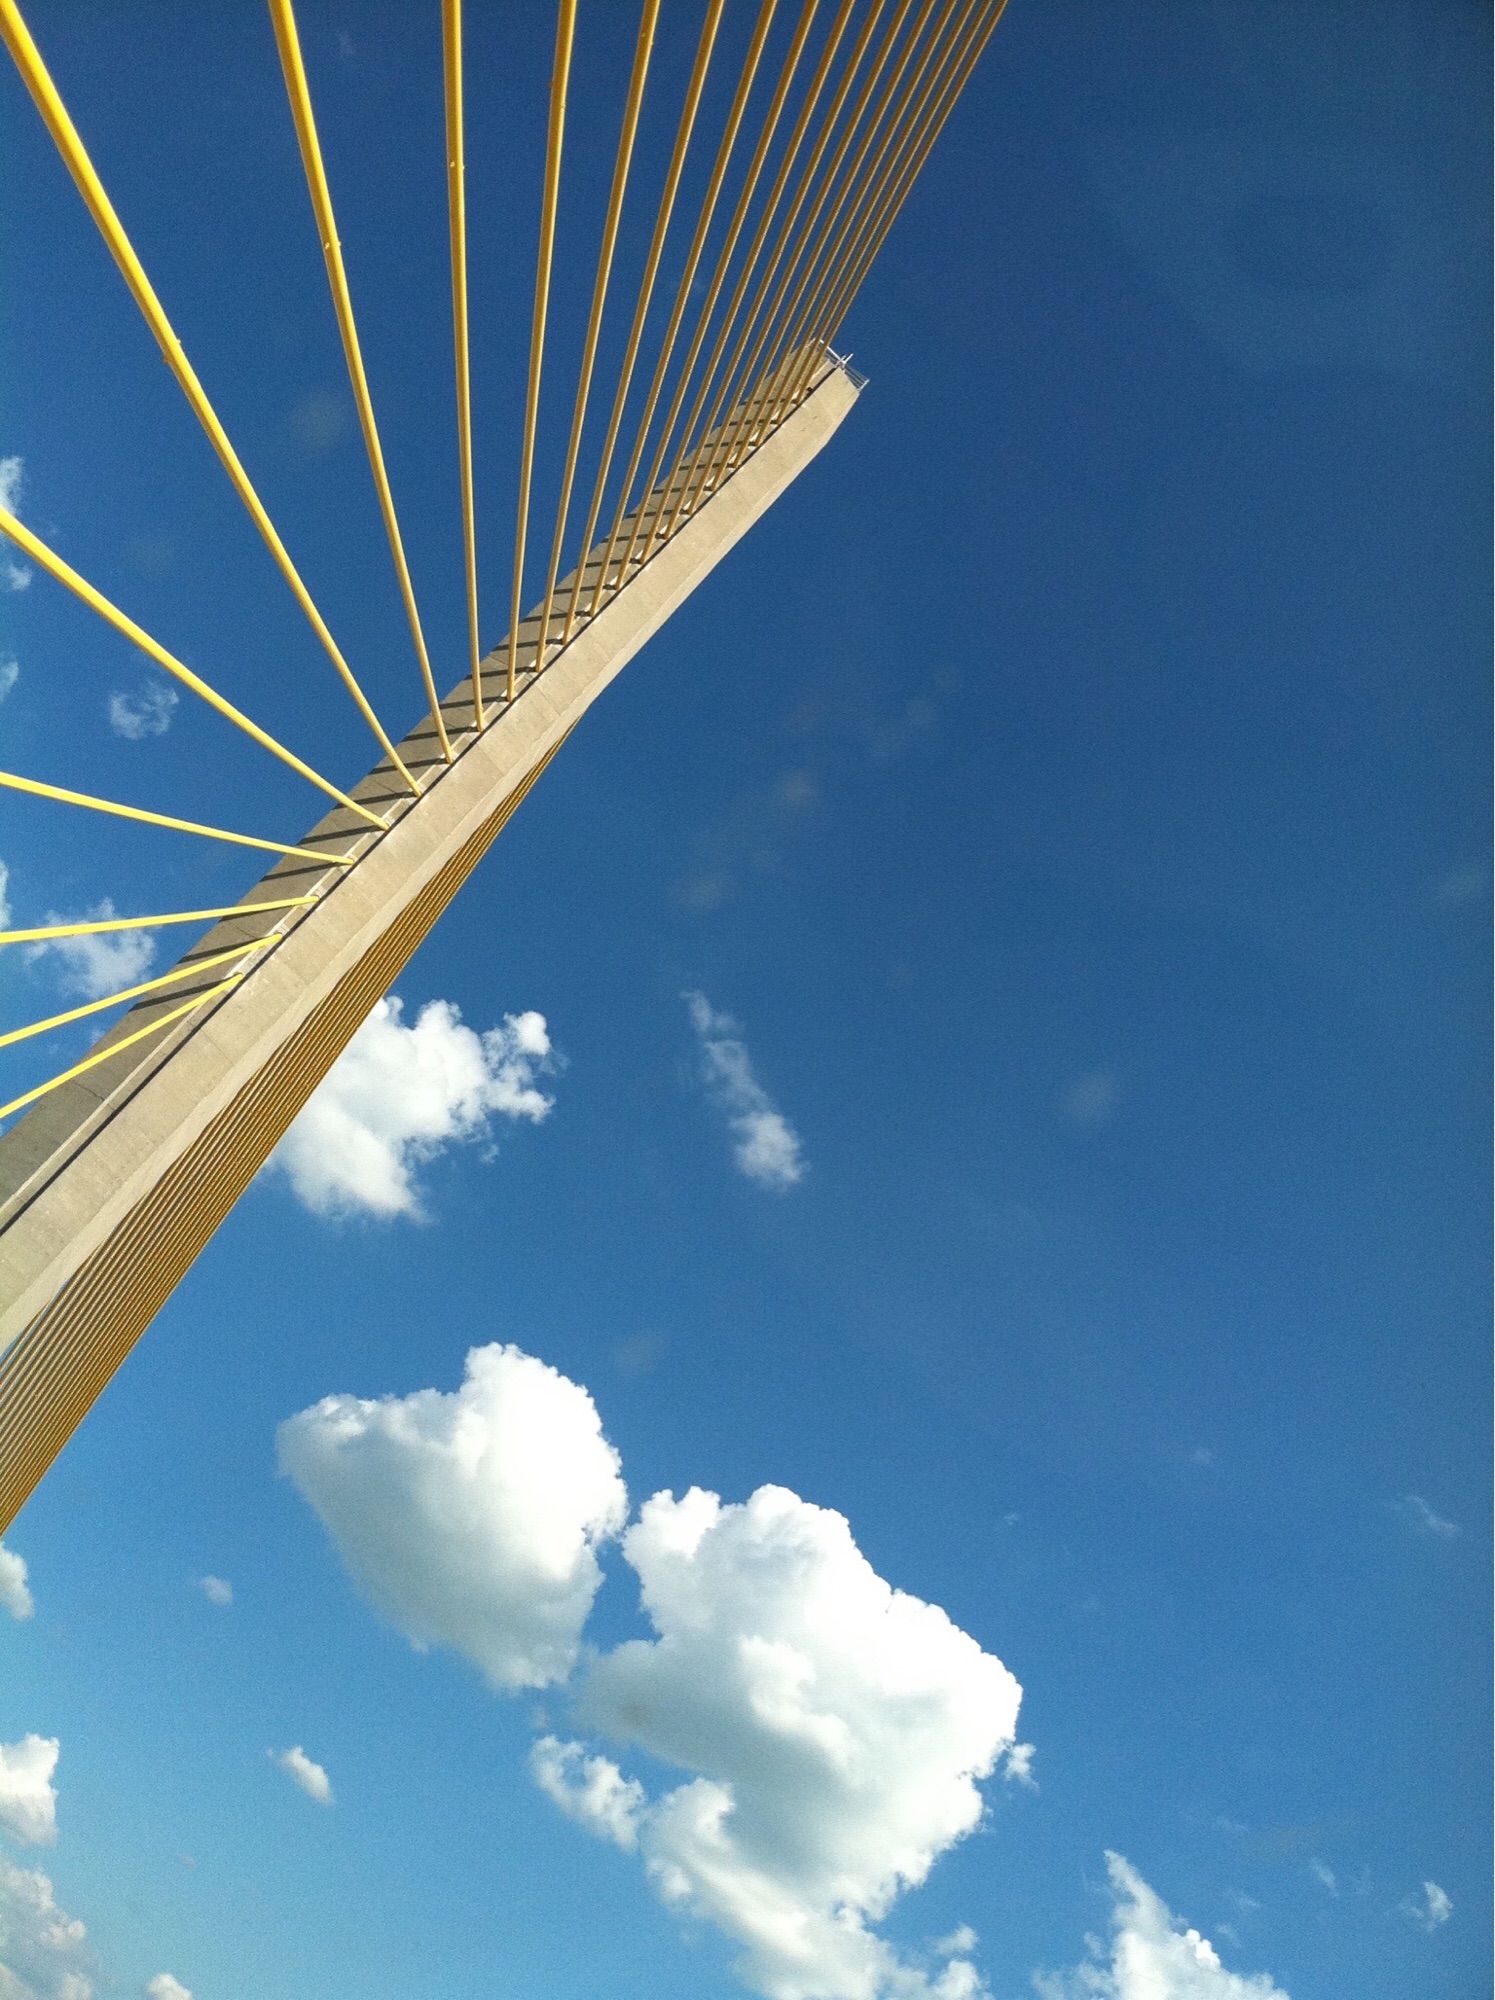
{"x":1461,"y":886}
{"x":320,"y":422}
{"x":216,"y":1591}
{"x":751,"y":836}
{"x":10,"y":673}
{"x":1324,"y":1875}
{"x":1091,"y":1099}
{"x":306,"y":1772}
{"x":1415,"y":1511}
{"x":148,"y":713}
{"x":1431,"y":1910}
{"x":1017,"y":1766}
{"x":399,"y":1095}
{"x":767,"y":1148}
{"x":92,"y":967}
{"x":14,"y":575}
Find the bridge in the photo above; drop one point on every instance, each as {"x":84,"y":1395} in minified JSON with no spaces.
{"x":117,"y":1166}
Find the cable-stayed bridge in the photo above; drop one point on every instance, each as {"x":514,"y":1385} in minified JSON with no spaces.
{"x":728,"y":279}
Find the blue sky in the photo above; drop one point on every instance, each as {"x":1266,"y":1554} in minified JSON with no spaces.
{"x":1074,"y":788}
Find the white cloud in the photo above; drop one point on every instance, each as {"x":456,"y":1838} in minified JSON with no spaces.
{"x":165,"y":1987}
{"x":15,"y":1597}
{"x":4,"y":896}
{"x":767,"y":1146}
{"x":149,"y":713}
{"x":1324,"y":1875}
{"x":835,"y":1730}
{"x":398,"y":1095}
{"x":216,"y":1591}
{"x":13,"y":575}
{"x":306,"y":1772}
{"x":94,"y":967}
{"x":961,"y":1941}
{"x":592,"y":1790}
{"x":1414,"y":1510}
{"x":1432,"y":1909}
{"x":470,"y":1520}
{"x":10,"y":673}
{"x":1017,"y":1766}
{"x":28,"y":1798}
{"x":1152,"y":1956}
{"x":42,"y":1950}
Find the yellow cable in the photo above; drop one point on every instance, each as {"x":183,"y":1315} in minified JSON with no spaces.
{"x":705,"y":459}
{"x":299,"y":92}
{"x":45,"y":932}
{"x":63,"y":571}
{"x":451,"y":45}
{"x":64,"y":133}
{"x":735,"y":116}
{"x":832,"y":299}
{"x":67,"y":798}
{"x":783,"y":350}
{"x":116,"y":1048}
{"x":685,"y":463}
{"x":621,"y":165}
{"x":641,"y":305}
{"x":746,"y":418}
{"x":177,"y":972}
{"x":565,"y":31}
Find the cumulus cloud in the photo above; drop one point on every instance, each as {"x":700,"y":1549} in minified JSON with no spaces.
{"x":1431,"y":1909}
{"x":149,"y":713}
{"x":834,"y":1732}
{"x":1416,"y":1512}
{"x":42,"y":1951}
{"x":216,"y":1591}
{"x":28,"y":1798}
{"x":470,"y":1520}
{"x":306,"y":1772}
{"x":10,"y":673}
{"x":1152,"y":1956}
{"x":399,"y":1094}
{"x":830,"y":1733}
{"x":15,"y":1596}
{"x":165,"y":1987}
{"x":93,"y":967}
{"x":767,"y":1147}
